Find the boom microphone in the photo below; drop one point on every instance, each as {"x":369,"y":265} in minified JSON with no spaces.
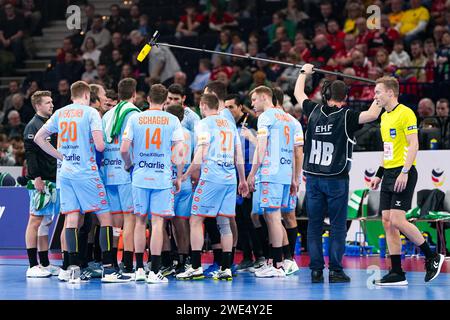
{"x":148,"y":47}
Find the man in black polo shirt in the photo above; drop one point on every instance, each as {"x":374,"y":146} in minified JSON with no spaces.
{"x":327,"y":160}
{"x":42,"y":176}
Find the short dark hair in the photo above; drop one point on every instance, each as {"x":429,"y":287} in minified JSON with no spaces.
{"x":338,"y":90}
{"x":218,"y":88}
{"x":211,"y":100}
{"x":111,"y":94}
{"x":177,"y":110}
{"x":417,"y":42}
{"x":235,"y":97}
{"x":176,"y":88}
{"x":278,"y":96}
{"x":126,"y":88}
{"x":443,"y":100}
{"x":158,"y":94}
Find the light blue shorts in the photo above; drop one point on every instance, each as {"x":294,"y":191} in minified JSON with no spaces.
{"x":292,"y":204}
{"x":183,"y":203}
{"x":52,"y":209}
{"x":212,"y":199}
{"x":270,"y":196}
{"x":83,"y":196}
{"x":158,"y":202}
{"x":120,"y":198}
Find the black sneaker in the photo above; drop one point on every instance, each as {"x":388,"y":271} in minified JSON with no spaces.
{"x":338,"y":277}
{"x":433,"y":267}
{"x":317,"y":276}
{"x":392,"y":279}
{"x":167,"y":271}
{"x":86,"y":274}
{"x":244,"y":265}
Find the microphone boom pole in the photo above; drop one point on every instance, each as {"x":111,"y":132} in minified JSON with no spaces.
{"x":248,"y":57}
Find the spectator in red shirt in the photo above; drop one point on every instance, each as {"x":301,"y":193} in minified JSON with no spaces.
{"x":383,"y":37}
{"x":363,"y":35}
{"x":190,"y":23}
{"x":220,"y":66}
{"x":219,"y":19}
{"x":343,"y":58}
{"x":438,"y":11}
{"x":355,"y":89}
{"x":61,"y":52}
{"x":368,"y":92}
{"x":361,"y":64}
{"x":301,"y":48}
{"x":335,"y":35}
{"x":408,"y":81}
{"x":429,"y":50}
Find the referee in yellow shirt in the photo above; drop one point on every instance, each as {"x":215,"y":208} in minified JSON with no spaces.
{"x":399,"y":134}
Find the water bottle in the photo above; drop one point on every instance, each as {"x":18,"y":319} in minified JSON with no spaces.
{"x":382,"y":245}
{"x":434,"y":144}
{"x":298,"y":245}
{"x":325,"y":243}
{"x":403,"y":239}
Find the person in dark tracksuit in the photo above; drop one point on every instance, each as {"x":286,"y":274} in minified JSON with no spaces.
{"x":327,"y":160}
{"x":41,"y":171}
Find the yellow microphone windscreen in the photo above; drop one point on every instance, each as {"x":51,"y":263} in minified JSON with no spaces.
{"x":144,"y":52}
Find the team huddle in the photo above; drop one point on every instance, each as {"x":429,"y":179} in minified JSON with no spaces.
{"x":119,"y":171}
{"x":161,"y":165}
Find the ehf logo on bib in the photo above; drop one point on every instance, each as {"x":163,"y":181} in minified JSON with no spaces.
{"x":393,"y":133}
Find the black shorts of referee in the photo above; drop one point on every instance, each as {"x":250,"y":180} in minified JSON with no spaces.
{"x":389,"y":199}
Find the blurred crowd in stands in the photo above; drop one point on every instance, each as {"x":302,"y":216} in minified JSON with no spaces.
{"x":410,"y":40}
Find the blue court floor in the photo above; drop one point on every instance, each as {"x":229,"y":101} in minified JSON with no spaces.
{"x":15,"y":286}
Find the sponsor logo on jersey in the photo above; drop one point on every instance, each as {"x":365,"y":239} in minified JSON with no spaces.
{"x":112,"y":162}
{"x":151,"y":165}
{"x":283,"y":160}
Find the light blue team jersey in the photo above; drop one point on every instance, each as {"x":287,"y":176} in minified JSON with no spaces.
{"x":222,"y":137}
{"x":113,"y":165}
{"x":153,"y":133}
{"x":74,"y":124}
{"x":227,"y":115}
{"x":190,"y":119}
{"x":188,"y":148}
{"x":283,"y":134}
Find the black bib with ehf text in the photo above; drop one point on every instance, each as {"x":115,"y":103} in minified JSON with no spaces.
{"x":328,"y":148}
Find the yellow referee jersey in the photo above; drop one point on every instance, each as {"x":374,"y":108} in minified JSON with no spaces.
{"x":395,"y":126}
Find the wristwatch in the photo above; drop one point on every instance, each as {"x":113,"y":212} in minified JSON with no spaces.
{"x":404,"y":170}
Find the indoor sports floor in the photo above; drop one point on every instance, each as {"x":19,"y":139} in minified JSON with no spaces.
{"x":15,"y":286}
